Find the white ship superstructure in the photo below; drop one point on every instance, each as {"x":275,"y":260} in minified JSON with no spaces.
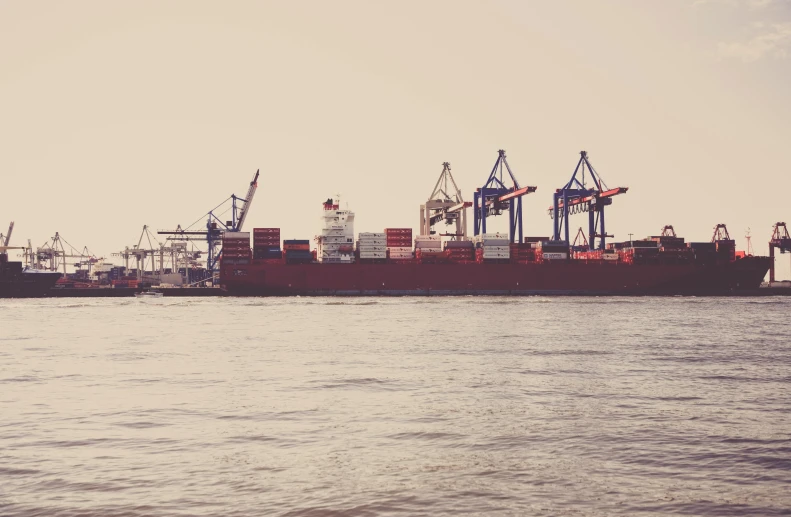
{"x":336,"y":242}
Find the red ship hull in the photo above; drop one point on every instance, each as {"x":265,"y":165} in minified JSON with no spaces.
{"x":561,"y":277}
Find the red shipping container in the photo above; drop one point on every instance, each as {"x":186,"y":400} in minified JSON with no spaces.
{"x":398,"y":231}
{"x":263,"y":231}
{"x":297,"y":247}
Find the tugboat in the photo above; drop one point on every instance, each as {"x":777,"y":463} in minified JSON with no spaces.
{"x":149,"y":294}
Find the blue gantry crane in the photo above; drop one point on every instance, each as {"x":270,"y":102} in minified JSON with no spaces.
{"x":496,"y":196}
{"x":577,"y":196}
{"x":216,"y":227}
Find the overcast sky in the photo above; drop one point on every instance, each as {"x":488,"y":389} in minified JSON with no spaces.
{"x":118,"y":114}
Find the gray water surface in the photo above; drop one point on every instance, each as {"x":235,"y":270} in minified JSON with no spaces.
{"x":395,"y":406}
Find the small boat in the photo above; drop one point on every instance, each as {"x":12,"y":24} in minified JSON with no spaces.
{"x":149,"y":294}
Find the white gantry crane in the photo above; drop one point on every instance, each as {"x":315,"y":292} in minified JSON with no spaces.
{"x":445,"y":204}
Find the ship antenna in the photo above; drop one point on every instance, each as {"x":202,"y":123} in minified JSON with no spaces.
{"x":749,"y":243}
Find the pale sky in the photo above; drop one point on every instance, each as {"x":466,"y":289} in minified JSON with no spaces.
{"x":119,"y":114}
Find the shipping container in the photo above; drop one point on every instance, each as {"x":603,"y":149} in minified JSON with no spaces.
{"x":263,"y":231}
{"x":296,"y":247}
{"x":703,"y":246}
{"x":459,"y":244}
{"x":236,"y":236}
{"x":496,"y":235}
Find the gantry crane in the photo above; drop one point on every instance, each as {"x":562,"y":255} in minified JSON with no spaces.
{"x":576,"y":197}
{"x":215,"y":227}
{"x":495,"y":197}
{"x":176,"y":251}
{"x":780,"y":240}
{"x":445,"y":204}
{"x":721,"y":233}
{"x":52,"y":255}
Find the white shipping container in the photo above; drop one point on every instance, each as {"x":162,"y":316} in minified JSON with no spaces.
{"x":374,"y":242}
{"x":400,"y":250}
{"x":371,"y":235}
{"x":428,"y":238}
{"x":428,"y":245}
{"x":236,"y":235}
{"x":496,"y":256}
{"x":496,"y":235}
{"x":609,"y":256}
{"x":338,"y":260}
{"x":336,"y":238}
{"x":555,"y":256}
{"x":373,"y":254}
{"x":500,"y":249}
{"x":401,"y":255}
{"x":495,"y":242}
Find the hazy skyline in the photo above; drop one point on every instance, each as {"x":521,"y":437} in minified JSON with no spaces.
{"x":117,"y":115}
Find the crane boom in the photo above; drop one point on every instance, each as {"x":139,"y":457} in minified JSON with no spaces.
{"x":247,"y":201}
{"x":587,"y":199}
{"x":8,"y":235}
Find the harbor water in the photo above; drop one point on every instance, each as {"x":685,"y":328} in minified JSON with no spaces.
{"x":395,"y":406}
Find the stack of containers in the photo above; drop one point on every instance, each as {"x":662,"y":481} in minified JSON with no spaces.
{"x":705,"y":252}
{"x":522,"y":252}
{"x":399,"y":243}
{"x":428,"y":243}
{"x":726,"y":250}
{"x":428,"y":248}
{"x":553,"y":250}
{"x":673,"y":249}
{"x":266,"y":243}
{"x":493,"y":247}
{"x":372,"y":246}
{"x":431,"y":256}
{"x":589,"y":255}
{"x":297,"y":251}
{"x":460,"y":251}
{"x":669,"y":242}
{"x":236,"y":248}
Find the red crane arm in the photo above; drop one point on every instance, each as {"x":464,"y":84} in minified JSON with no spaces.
{"x":607,"y":193}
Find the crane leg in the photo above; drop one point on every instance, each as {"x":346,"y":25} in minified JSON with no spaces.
{"x":519,"y":204}
{"x":603,"y":233}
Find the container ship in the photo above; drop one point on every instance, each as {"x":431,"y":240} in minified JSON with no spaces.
{"x":19,"y":282}
{"x":394,"y":262}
